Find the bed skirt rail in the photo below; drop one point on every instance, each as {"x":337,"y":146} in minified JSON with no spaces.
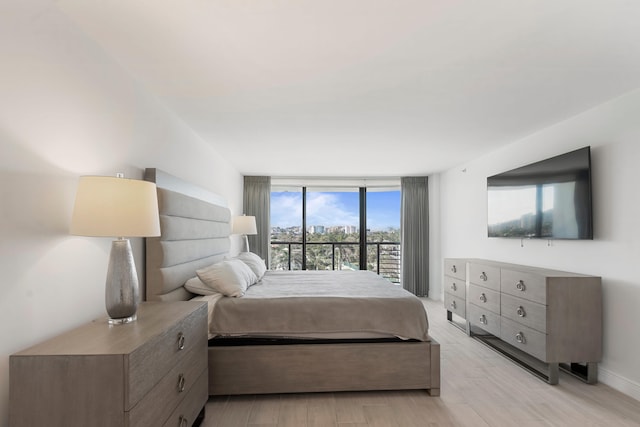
{"x":256,"y":369}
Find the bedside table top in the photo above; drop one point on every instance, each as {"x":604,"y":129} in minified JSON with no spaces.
{"x":98,"y":337}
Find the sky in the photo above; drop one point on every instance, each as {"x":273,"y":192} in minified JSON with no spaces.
{"x":335,"y":208}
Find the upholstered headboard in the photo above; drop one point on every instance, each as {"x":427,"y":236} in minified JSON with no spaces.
{"x":195,"y":228}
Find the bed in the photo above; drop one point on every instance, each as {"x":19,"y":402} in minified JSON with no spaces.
{"x":291,"y":331}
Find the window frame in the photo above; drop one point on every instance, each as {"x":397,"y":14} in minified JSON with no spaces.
{"x":362,"y":242}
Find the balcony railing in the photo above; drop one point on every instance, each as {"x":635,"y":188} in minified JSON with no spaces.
{"x":382,"y":257}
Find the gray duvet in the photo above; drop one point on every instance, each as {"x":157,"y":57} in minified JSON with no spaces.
{"x":321,"y":303}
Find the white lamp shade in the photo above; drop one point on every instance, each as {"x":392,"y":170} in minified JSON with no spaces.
{"x":244,"y":225}
{"x":115,"y":207}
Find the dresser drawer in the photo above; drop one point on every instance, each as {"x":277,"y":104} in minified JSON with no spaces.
{"x":484,"y":275}
{"x":158,"y":404}
{"x":456,"y":268}
{"x":455,"y":287}
{"x":485,"y":298}
{"x":149,"y":363}
{"x":454,"y":304}
{"x":186,"y":413}
{"x":524,"y":285}
{"x":484,"y":319}
{"x":524,"y":338}
{"x":525,"y":312}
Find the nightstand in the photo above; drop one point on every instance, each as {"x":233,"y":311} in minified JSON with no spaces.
{"x":152,"y":372}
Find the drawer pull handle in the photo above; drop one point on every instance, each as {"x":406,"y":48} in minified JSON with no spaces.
{"x":483,"y":276}
{"x":454,"y":269}
{"x":483,"y":297}
{"x":520,"y":338}
{"x":181,"y":341}
{"x":520,"y":311}
{"x":183,"y":422}
{"x":483,"y":319}
{"x":453,"y":304}
{"x":454,"y":287}
{"x":181,"y":383}
{"x":520,"y":286}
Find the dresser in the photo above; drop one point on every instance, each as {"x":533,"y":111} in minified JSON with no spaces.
{"x":543,"y":319}
{"x":455,"y":292}
{"x":152,"y":372}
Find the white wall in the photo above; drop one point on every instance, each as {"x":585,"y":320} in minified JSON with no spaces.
{"x":613,"y":132}
{"x":66,"y":110}
{"x":435,"y":242}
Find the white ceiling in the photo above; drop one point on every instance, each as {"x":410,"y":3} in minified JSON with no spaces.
{"x":366,"y":87}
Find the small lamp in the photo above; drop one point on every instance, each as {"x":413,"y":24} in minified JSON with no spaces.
{"x":117,"y":207}
{"x":245,"y":225}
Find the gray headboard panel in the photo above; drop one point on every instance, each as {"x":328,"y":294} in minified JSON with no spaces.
{"x":194,"y":234}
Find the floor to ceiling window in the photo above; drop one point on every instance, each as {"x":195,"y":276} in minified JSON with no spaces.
{"x":383,"y":233}
{"x":286,"y":229}
{"x":321,"y":228}
{"x":332,"y":229}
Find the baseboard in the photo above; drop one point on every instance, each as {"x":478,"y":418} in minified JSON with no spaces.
{"x":619,"y":383}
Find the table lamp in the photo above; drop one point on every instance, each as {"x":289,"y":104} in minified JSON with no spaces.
{"x":244,"y":225}
{"x":117,"y":207}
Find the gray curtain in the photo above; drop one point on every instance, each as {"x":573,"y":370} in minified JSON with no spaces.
{"x":415,"y":235}
{"x":257,"y":202}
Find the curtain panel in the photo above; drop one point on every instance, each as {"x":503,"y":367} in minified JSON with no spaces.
{"x":257,"y":202}
{"x":414,"y":229}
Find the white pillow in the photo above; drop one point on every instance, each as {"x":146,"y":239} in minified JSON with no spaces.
{"x":254,"y":262}
{"x":230,"y":277}
{"x":196,"y":286}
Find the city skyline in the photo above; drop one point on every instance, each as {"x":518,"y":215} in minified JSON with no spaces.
{"x":332,"y":209}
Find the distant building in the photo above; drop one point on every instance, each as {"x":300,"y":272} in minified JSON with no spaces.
{"x":316,"y":229}
{"x":350,"y":229}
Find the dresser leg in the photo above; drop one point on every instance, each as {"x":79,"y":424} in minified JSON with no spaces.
{"x":554,"y":373}
{"x":587,"y":372}
{"x":592,"y":373}
{"x":464,"y":327}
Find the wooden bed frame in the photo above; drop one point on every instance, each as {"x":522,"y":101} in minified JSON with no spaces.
{"x":195,"y":233}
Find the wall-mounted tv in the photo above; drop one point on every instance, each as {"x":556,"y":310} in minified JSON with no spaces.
{"x":550,"y":199}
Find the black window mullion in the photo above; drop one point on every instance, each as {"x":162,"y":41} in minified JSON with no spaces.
{"x":363,"y":228}
{"x":304,"y":228}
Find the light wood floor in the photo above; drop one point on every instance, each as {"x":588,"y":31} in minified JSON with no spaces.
{"x":479,"y":388}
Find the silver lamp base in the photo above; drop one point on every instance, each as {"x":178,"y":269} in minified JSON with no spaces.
{"x":122,"y":290}
{"x":245,"y":246}
{"x":123,"y":320}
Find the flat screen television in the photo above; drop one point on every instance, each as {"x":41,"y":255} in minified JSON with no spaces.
{"x":550,"y":199}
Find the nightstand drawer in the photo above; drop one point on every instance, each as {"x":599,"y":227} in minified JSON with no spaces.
{"x":484,"y":275}
{"x":186,"y":413}
{"x":524,"y":338}
{"x":454,"y":304}
{"x":149,"y":363}
{"x":455,"y":287}
{"x":485,"y":298}
{"x":455,"y":267}
{"x":524,"y":285}
{"x":525,"y":312}
{"x":484,"y":319}
{"x":156,"y":407}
